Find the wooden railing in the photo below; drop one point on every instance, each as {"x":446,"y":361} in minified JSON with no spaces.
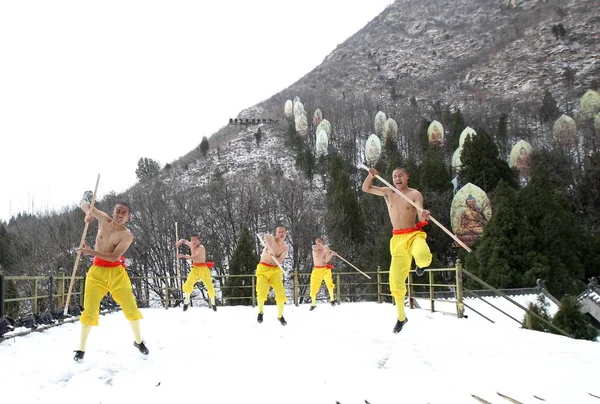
{"x":47,"y":293}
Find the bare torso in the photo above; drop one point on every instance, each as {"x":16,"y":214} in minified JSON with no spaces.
{"x":198,"y":254}
{"x":402,"y":214}
{"x":109,"y":236}
{"x":320,"y":256}
{"x":279,"y":247}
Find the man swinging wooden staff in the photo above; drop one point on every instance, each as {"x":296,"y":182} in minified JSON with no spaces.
{"x":269,"y":272}
{"x":108,"y":274}
{"x":408,"y":239}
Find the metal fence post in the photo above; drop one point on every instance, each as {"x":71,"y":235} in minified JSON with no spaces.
{"x":339,"y":293}
{"x":1,"y":294}
{"x":378,"y":284}
{"x":460,"y":308}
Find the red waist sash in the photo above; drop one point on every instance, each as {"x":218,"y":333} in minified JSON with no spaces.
{"x":99,"y":262}
{"x":329,"y":266}
{"x":201,"y":264}
{"x":418,"y":227}
{"x":269,"y":265}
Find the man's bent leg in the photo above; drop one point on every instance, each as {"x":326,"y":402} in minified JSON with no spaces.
{"x":192,"y":278}
{"x":420,"y":250}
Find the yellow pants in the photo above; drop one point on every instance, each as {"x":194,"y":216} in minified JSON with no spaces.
{"x":403,"y":247}
{"x":266,"y":277}
{"x":199,"y":272}
{"x":101,"y":280}
{"x":317,"y":276}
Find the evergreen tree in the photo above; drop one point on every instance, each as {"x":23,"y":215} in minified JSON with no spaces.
{"x":11,"y":292}
{"x":243,"y":262}
{"x":574,"y":322}
{"x":258,"y":136}
{"x":589,"y":193}
{"x":549,"y":111}
{"x":481,"y":164}
{"x":502,"y":133}
{"x":434,"y":183}
{"x":556,"y":237}
{"x":344,"y":219}
{"x":434,"y":175}
{"x":6,"y":251}
{"x":500,"y":255}
{"x":560,"y":166}
{"x":204,"y":146}
{"x":541,"y":309}
{"x":422,"y":135}
{"x":456,"y":127}
{"x":147,"y":168}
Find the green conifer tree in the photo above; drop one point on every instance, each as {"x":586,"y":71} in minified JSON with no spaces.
{"x":556,"y":236}
{"x":499,"y":256}
{"x":243,"y":262}
{"x":482,"y":165}
{"x":574,"y":322}
{"x":204,"y":146}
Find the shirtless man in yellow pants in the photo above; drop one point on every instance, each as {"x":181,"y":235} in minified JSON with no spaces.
{"x":108,"y":273}
{"x":321,"y":272}
{"x":269,"y":274}
{"x":200,"y":271}
{"x":408,"y":239}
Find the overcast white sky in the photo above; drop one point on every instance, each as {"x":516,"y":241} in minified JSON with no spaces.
{"x":88,"y":88}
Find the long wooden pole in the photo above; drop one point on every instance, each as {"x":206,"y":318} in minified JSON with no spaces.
{"x":419,"y":209}
{"x":349,"y":263}
{"x":81,"y":244}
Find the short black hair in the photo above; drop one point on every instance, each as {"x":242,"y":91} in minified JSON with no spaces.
{"x":401,"y":168}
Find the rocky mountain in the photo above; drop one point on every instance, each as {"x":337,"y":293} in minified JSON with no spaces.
{"x":434,"y":52}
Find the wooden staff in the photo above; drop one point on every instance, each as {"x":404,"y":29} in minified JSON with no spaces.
{"x":262,"y":242}
{"x":419,"y":208}
{"x":81,"y":243}
{"x":177,"y":266}
{"x":349,"y":263}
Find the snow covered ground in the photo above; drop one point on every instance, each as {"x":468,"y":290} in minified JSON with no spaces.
{"x":346,"y":353}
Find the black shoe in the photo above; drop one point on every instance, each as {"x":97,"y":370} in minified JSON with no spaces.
{"x":333,"y":302}
{"x":214,"y":306}
{"x":282,"y":320}
{"x":185,"y":306}
{"x":78,"y":356}
{"x":259,"y":318}
{"x":312,"y":308}
{"x":420,"y":271}
{"x":142,"y":347}
{"x":399,"y":325}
